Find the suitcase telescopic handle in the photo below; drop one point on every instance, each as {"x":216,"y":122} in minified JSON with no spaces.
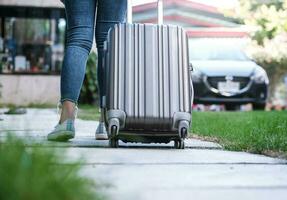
{"x":159,"y":11}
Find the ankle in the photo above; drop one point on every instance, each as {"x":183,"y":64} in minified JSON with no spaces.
{"x":102,"y":117}
{"x":69,"y":111}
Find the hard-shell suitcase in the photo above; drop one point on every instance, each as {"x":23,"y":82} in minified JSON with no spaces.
{"x":149,"y":92}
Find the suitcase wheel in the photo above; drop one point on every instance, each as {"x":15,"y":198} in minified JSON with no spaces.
{"x":183,"y":129}
{"x":113,"y":141}
{"x":183,"y":133}
{"x":179,"y":143}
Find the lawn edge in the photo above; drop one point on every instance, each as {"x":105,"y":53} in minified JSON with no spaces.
{"x":270,"y":153}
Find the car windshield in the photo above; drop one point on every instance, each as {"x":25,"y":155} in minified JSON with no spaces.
{"x":209,"y":51}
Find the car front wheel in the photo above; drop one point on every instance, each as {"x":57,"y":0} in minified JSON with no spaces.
{"x":258,"y":106}
{"x":231,"y":107}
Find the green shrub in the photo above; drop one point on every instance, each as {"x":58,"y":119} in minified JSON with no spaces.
{"x":0,"y":90}
{"x":89,"y":91}
{"x":268,"y":46}
{"x":39,"y":173}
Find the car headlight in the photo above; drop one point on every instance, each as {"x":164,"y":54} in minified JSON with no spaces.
{"x":260,"y":76}
{"x":196,"y":76}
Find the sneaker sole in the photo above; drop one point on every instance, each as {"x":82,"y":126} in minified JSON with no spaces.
{"x":62,"y":136}
{"x":101,"y":137}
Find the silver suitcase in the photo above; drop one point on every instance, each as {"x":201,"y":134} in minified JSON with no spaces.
{"x":149,"y":91}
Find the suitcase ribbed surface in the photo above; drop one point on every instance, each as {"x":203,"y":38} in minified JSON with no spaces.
{"x":148,"y":74}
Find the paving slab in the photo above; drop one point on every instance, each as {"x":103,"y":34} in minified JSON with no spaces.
{"x":157,"y":171}
{"x":36,"y":124}
{"x":180,"y":181}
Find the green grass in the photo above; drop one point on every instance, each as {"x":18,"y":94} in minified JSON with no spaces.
{"x":88,"y":112}
{"x":11,"y":106}
{"x":257,"y":132}
{"x":40,"y":173}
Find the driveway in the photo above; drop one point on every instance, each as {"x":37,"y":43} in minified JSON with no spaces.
{"x":138,"y":171}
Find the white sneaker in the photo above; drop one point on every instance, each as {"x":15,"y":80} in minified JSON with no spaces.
{"x":63,"y":132}
{"x":101,"y":132}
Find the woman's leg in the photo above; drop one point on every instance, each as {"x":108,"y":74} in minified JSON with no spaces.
{"x":109,"y":13}
{"x":79,"y":38}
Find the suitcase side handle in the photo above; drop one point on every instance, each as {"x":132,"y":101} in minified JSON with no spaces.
{"x":104,"y":65}
{"x":159,"y":12}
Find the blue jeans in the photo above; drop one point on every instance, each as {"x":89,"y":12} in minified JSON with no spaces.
{"x":79,"y":39}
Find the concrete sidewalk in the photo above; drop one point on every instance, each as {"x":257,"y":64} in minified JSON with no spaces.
{"x":138,"y":171}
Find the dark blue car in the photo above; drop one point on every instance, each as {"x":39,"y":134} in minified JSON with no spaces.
{"x":223,"y":74}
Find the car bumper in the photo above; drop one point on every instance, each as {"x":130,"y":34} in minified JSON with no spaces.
{"x":257,"y":93}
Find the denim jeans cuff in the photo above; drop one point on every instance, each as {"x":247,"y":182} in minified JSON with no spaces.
{"x":68,"y":99}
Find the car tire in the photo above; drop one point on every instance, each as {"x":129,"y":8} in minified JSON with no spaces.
{"x":259,"y":106}
{"x":231,"y":107}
